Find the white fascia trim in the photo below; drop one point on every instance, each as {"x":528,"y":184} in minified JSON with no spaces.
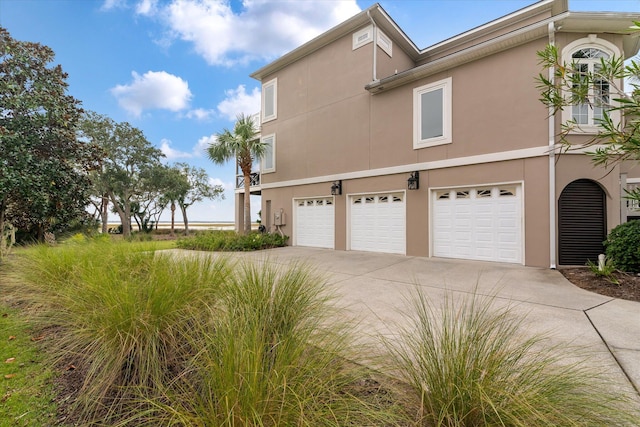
{"x":524,"y":13}
{"x":524,"y":153}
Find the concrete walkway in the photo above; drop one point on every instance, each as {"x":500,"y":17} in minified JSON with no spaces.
{"x":374,"y":287}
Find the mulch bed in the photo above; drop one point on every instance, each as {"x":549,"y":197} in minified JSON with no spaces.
{"x":628,"y":286}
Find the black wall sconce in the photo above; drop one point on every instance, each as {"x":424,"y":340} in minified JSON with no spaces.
{"x":336,"y":188}
{"x":413,"y":183}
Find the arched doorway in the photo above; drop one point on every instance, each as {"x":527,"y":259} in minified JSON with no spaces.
{"x":582,"y":222}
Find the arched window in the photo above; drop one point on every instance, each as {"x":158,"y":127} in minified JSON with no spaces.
{"x":586,"y":55}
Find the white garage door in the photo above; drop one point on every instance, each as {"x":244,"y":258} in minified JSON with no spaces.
{"x":315,"y":222}
{"x":482,"y":223}
{"x":377,"y":223}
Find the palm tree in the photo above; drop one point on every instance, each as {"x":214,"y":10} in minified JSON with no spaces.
{"x":244,"y":145}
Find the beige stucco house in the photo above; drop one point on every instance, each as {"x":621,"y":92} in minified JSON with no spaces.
{"x":377,"y":145}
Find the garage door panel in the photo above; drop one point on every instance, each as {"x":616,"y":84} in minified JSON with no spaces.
{"x":315,"y":222}
{"x":482,"y":224}
{"x":377,"y":223}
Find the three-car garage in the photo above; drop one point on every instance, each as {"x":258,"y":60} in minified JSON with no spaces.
{"x":478,"y":223}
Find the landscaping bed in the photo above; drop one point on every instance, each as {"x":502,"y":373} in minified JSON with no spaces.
{"x":628,"y":286}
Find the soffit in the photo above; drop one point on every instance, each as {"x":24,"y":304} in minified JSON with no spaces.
{"x":604,"y":22}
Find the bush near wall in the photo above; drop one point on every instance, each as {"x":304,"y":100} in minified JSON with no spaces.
{"x":232,"y":241}
{"x":623,"y":246}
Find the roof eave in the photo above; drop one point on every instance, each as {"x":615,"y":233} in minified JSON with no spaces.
{"x":316,"y":43}
{"x":585,"y":22}
{"x":495,"y":45}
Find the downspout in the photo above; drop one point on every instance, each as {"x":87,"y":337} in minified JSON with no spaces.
{"x":375,"y":46}
{"x":552,"y":163}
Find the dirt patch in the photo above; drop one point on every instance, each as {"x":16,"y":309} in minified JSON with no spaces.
{"x":628,"y":286}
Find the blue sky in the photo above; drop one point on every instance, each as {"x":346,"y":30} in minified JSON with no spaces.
{"x":179,"y":69}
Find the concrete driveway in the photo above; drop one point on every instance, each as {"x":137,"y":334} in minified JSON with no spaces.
{"x":374,"y":287}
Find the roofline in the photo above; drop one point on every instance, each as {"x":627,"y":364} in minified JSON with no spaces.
{"x":316,"y":43}
{"x":497,"y":44}
{"x":481,"y":30}
{"x":616,"y":22}
{"x":408,"y":45}
{"x":612,"y":22}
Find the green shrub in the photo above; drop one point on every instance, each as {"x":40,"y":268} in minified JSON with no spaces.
{"x":124,"y":311}
{"x":470,"y":366}
{"x":232,"y":241}
{"x":623,"y":246}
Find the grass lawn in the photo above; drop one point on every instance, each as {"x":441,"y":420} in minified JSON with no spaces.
{"x":26,"y":390}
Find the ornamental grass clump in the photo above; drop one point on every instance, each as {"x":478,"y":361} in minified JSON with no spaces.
{"x":469,"y":365}
{"x":124,"y":313}
{"x":276,"y":356}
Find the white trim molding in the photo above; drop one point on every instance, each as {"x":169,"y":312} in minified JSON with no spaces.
{"x":444,"y":98}
{"x":592,"y":41}
{"x":524,"y":153}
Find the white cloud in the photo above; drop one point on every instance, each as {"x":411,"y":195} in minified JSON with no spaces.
{"x":200,"y":114}
{"x":263,"y":29}
{"x":238,"y":101}
{"x":153,"y":90}
{"x":146,"y":7}
{"x":203,"y":143}
{"x":170,"y":153}
{"x":228,"y":186}
{"x":112,"y":4}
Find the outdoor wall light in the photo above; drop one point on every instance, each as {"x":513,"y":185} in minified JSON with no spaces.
{"x":413,"y":183}
{"x":336,"y":188}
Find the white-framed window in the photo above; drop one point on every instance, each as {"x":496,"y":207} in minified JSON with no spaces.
{"x":586,"y":55}
{"x":270,"y":100}
{"x":432,"y":114}
{"x":268,"y":163}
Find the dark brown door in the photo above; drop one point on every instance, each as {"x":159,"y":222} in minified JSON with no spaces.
{"x":582,"y":222}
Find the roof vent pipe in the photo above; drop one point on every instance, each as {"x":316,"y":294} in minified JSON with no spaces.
{"x":375,"y":46}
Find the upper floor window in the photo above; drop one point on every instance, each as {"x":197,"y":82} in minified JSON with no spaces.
{"x":586,"y":57}
{"x":269,"y":157}
{"x":432,"y":114}
{"x":270,"y":100}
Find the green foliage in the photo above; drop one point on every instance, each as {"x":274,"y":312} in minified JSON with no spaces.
{"x":125,"y":311}
{"x":623,"y":246}
{"x":26,"y":392}
{"x":190,"y":185}
{"x":191,"y":341}
{"x":44,"y":182}
{"x":126,"y":171}
{"x":232,"y":241}
{"x":607,"y":271}
{"x":470,"y":365}
{"x":242,"y":145}
{"x":571,"y":85}
{"x":273,"y":357}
